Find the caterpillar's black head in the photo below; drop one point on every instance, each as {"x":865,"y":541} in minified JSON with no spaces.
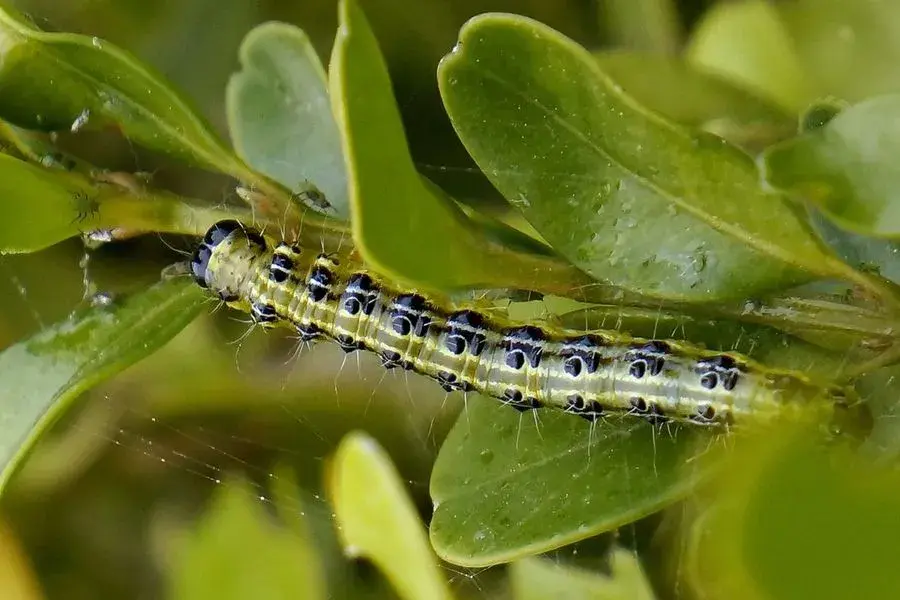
{"x":200,"y":261}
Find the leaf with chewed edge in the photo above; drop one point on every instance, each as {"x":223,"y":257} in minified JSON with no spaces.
{"x":627,"y":196}
{"x":279,"y":114}
{"x":45,"y":374}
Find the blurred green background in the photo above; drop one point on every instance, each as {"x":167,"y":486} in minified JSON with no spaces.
{"x":109,"y":502}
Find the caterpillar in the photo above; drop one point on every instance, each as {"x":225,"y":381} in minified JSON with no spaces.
{"x":591,"y":374}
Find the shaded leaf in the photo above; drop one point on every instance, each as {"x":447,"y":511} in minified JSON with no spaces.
{"x":505,"y":488}
{"x":746,"y":42}
{"x":820,"y":113}
{"x":40,"y":207}
{"x":17,"y":577}
{"x":538,"y":579}
{"x":33,"y":146}
{"x":827,"y":321}
{"x":238,"y":551}
{"x":690,"y":96}
{"x":377,"y":519}
{"x":794,"y":519}
{"x":863,"y":252}
{"x":646,"y":25}
{"x":279,"y":114}
{"x":628,"y":197}
{"x":846,"y":167}
{"x":45,"y":374}
{"x":61,"y":81}
{"x":881,"y":390}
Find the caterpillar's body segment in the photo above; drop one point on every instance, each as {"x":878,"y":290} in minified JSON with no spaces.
{"x":585,"y":373}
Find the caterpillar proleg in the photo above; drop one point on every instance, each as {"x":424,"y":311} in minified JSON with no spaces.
{"x":524,"y":365}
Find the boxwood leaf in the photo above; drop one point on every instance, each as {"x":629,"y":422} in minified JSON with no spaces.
{"x":377,"y":520}
{"x":403,"y":224}
{"x":45,"y":374}
{"x":746,"y":42}
{"x":793,"y":519}
{"x":685,"y":94}
{"x":279,"y":114}
{"x":627,"y":196}
{"x":62,"y":81}
{"x":537,"y":579}
{"x":237,"y":551}
{"x":863,"y":252}
{"x":44,"y":206}
{"x":849,"y":49}
{"x":846,"y":167}
{"x":508,"y":485}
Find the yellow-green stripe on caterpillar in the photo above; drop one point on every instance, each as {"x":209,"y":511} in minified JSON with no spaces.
{"x":587,"y":373}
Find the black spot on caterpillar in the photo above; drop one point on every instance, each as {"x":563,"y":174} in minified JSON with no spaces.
{"x":526,"y":366}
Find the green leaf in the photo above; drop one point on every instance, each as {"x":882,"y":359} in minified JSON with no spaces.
{"x":646,"y":25}
{"x":61,"y":81}
{"x":389,"y":202}
{"x":279,"y":114}
{"x":17,"y":578}
{"x":846,"y":167}
{"x":238,"y":552}
{"x":625,"y":195}
{"x":377,"y":519}
{"x":795,"y":520}
{"x":746,"y":42}
{"x":539,"y":579}
{"x":682,"y":93}
{"x":392,"y":206}
{"x":504,"y":487}
{"x":35,"y":147}
{"x":849,"y":48}
{"x":40,"y":207}
{"x":45,"y":374}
